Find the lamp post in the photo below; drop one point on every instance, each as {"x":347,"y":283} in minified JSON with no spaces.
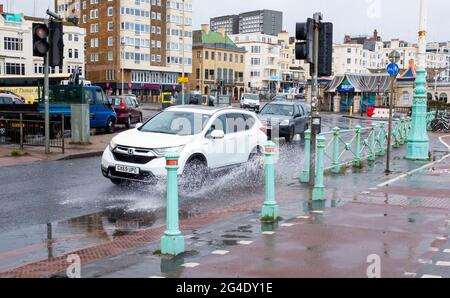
{"x":418,"y":141}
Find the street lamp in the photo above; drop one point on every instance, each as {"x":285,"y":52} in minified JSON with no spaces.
{"x":418,"y":141}
{"x":122,"y":47}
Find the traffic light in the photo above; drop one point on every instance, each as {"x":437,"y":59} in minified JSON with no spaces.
{"x":325,"y":49}
{"x":305,"y":33}
{"x":40,"y":43}
{"x":56,"y":44}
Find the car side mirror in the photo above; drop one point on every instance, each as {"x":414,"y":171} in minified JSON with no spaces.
{"x":217,"y":134}
{"x":138,"y":125}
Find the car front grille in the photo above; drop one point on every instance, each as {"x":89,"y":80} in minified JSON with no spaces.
{"x":143,"y":176}
{"x":139,"y":156}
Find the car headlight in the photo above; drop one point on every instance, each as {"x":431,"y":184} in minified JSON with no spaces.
{"x":161,"y":152}
{"x":112,"y":145}
{"x":285,"y":123}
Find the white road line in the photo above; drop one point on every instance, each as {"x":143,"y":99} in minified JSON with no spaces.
{"x":220,"y":252}
{"x":421,"y":168}
{"x":365,"y":193}
{"x":431,"y":276}
{"x":287,"y":225}
{"x":317,"y":211}
{"x":422,"y":261}
{"x":155,"y":276}
{"x":245,"y":242}
{"x":447,"y":251}
{"x":442,"y":238}
{"x":443,"y":263}
{"x":410,"y":274}
{"x":433,"y":249}
{"x":268,"y":233}
{"x":190,"y":265}
{"x":303,"y":217}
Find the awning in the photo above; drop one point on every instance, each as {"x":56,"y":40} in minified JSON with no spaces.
{"x":371,"y":83}
{"x":334,"y":84}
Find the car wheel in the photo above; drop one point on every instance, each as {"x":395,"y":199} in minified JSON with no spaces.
{"x":110,"y":125}
{"x":291,"y":135}
{"x":128,"y":124}
{"x":194,"y":175}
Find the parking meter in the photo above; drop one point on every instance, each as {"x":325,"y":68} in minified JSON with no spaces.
{"x":316,"y":124}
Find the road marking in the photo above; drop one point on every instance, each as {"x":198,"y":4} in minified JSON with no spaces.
{"x":268,"y":233}
{"x":421,"y":168}
{"x":431,"y":276}
{"x":303,"y":217}
{"x":317,"y":211}
{"x":443,"y":264}
{"x":410,"y":274}
{"x":220,"y":252}
{"x":365,"y":193}
{"x":373,"y":188}
{"x":447,"y":251}
{"x":442,"y":238}
{"x":190,"y":265}
{"x":245,"y":242}
{"x":287,"y":225}
{"x":155,"y":276}
{"x":433,"y":249}
{"x":422,"y":261}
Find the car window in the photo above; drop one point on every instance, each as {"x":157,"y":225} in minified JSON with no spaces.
{"x":88,"y":96}
{"x":7,"y":100}
{"x":176,"y":123}
{"x":2,"y":100}
{"x":235,"y":123}
{"x":218,"y":124}
{"x":249,"y":121}
{"x":116,"y":101}
{"x":278,"y":109}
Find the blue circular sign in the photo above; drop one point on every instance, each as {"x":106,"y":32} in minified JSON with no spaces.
{"x":393,"y":69}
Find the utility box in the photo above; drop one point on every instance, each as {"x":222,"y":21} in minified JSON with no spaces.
{"x":80,"y":123}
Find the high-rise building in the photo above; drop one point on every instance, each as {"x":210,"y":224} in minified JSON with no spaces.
{"x":264,"y":21}
{"x":150,"y":40}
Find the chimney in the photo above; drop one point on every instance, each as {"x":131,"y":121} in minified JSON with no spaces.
{"x":221,"y":30}
{"x":1,"y":8}
{"x":205,"y":27}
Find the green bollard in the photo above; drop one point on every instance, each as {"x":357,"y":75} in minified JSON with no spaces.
{"x":270,"y":210}
{"x":357,"y":158}
{"x":402,"y":131}
{"x":304,"y":176}
{"x":381,"y":140}
{"x":372,"y":142}
{"x":172,"y":242}
{"x":395,"y":134}
{"x":318,"y":193}
{"x":335,"y":167}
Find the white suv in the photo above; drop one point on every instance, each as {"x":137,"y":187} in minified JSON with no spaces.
{"x":250,"y":101}
{"x":206,"y":138}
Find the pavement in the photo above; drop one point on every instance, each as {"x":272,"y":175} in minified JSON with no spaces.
{"x":403,"y":219}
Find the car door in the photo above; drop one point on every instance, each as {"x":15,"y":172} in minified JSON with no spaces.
{"x":217,"y":149}
{"x":102,"y":109}
{"x":236,"y":128}
{"x":135,"y":110}
{"x":303,"y":120}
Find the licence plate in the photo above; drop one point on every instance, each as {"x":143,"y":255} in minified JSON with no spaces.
{"x":15,"y":125}
{"x":127,"y":170}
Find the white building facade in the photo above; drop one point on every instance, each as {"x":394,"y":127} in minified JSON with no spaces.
{"x":262,"y":61}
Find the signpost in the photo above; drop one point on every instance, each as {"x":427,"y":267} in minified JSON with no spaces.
{"x":393,"y":70}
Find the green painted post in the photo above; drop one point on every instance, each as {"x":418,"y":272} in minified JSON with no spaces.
{"x":172,"y":242}
{"x":381,"y":140}
{"x":335,"y":167}
{"x":270,"y":210}
{"x":319,"y":187}
{"x":418,"y":141}
{"x":304,"y":176}
{"x":402,"y":131}
{"x":395,"y":134}
{"x":372,"y":141}
{"x":357,"y":153}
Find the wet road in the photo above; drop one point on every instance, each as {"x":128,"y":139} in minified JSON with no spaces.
{"x":61,"y":199}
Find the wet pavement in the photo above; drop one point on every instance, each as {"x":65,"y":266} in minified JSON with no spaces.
{"x":117,"y":230}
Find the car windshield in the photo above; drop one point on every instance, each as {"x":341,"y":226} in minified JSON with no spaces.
{"x":116,"y":101}
{"x":176,"y":123}
{"x":251,"y":96}
{"x":276,"y":109}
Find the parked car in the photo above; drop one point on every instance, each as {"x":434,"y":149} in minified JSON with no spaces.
{"x":290,"y":118}
{"x":14,"y":94}
{"x":250,"y":101}
{"x":201,"y":135}
{"x":127,"y":109}
{"x":10,"y":99}
{"x":280,"y":98}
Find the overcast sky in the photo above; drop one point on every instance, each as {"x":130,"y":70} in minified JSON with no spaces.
{"x":392,"y":18}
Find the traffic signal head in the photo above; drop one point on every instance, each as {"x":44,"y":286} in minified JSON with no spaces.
{"x":56,"y":43}
{"x":305,"y":33}
{"x":40,"y":44}
{"x":325,"y":49}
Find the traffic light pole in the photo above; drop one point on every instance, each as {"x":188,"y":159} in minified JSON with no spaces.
{"x":47,"y":112}
{"x":389,"y":141}
{"x":314,"y":96}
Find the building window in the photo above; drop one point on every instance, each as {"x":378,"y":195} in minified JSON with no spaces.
{"x":14,"y":69}
{"x":110,"y":11}
{"x":13,"y":44}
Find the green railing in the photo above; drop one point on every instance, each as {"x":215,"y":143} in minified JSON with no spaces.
{"x":351,"y":147}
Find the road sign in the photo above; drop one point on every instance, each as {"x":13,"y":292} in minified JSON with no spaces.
{"x":393,"y":69}
{"x":394,"y":57}
{"x":183,"y":80}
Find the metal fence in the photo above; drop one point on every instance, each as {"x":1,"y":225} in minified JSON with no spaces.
{"x":27,"y":129}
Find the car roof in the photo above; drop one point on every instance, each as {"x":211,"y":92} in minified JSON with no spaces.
{"x":283,"y":103}
{"x":207,"y":110}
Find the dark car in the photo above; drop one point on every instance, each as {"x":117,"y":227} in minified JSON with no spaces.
{"x":290,"y":118}
{"x":10,"y":99}
{"x":127,"y":109}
